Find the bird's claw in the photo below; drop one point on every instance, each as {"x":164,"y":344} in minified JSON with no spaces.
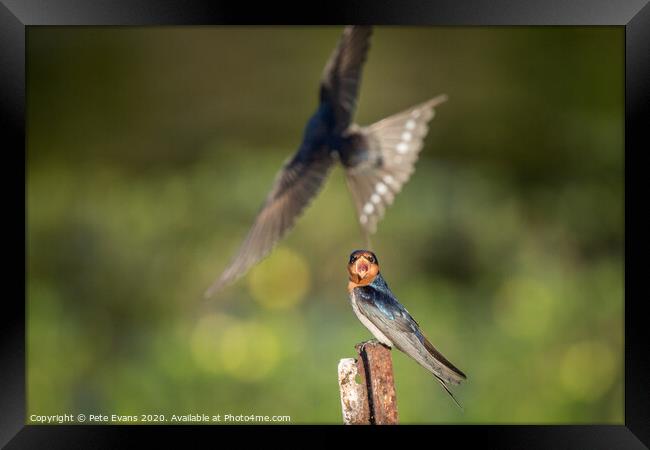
{"x":362,"y":345}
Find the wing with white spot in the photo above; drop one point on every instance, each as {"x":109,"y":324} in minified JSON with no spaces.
{"x":390,"y":149}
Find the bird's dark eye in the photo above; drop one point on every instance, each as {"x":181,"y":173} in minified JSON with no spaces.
{"x":371,"y":259}
{"x":353,"y":258}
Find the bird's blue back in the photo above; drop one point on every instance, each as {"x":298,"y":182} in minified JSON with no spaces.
{"x":380,"y":296}
{"x":321,"y":135}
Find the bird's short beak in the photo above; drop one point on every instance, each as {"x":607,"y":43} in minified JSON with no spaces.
{"x":362,"y":267}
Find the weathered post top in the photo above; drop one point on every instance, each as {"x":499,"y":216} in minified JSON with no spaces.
{"x":373,"y":400}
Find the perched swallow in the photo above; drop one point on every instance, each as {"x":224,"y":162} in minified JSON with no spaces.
{"x":377,"y":159}
{"x":378,"y":309}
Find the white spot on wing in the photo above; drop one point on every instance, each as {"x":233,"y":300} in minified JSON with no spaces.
{"x":375,"y":198}
{"x":402,"y":147}
{"x":368,"y":208}
{"x":410,"y":125}
{"x":406,"y":136}
{"x":381,"y":187}
{"x":388,"y":179}
{"x":363,"y":219}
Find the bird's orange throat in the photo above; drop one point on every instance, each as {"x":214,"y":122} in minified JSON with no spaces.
{"x":361,"y":273}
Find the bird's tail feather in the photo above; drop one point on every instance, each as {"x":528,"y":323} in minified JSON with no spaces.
{"x":442,"y":383}
{"x":392,"y":146}
{"x":450,"y":373}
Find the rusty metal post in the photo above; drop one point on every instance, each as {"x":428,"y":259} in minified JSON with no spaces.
{"x":354,"y":395}
{"x":373,"y":401}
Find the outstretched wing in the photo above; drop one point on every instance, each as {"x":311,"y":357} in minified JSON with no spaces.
{"x":342,"y":74}
{"x":394,"y":321}
{"x":295,"y":186}
{"x":390,"y":149}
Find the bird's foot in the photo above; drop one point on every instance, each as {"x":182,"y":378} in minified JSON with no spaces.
{"x":362,"y":345}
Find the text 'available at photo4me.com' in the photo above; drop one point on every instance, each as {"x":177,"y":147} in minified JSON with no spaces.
{"x":53,"y":419}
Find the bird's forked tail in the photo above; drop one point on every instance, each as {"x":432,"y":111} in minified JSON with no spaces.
{"x":382,"y":157}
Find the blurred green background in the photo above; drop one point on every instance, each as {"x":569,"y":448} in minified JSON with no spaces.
{"x":151,"y":149}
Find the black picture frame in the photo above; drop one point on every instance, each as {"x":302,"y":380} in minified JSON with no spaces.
{"x":633,"y":15}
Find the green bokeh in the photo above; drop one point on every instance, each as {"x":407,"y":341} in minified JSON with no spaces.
{"x":151,"y":149}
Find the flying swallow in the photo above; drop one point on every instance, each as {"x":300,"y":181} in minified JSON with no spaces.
{"x":390,"y":323}
{"x":378,"y":159}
